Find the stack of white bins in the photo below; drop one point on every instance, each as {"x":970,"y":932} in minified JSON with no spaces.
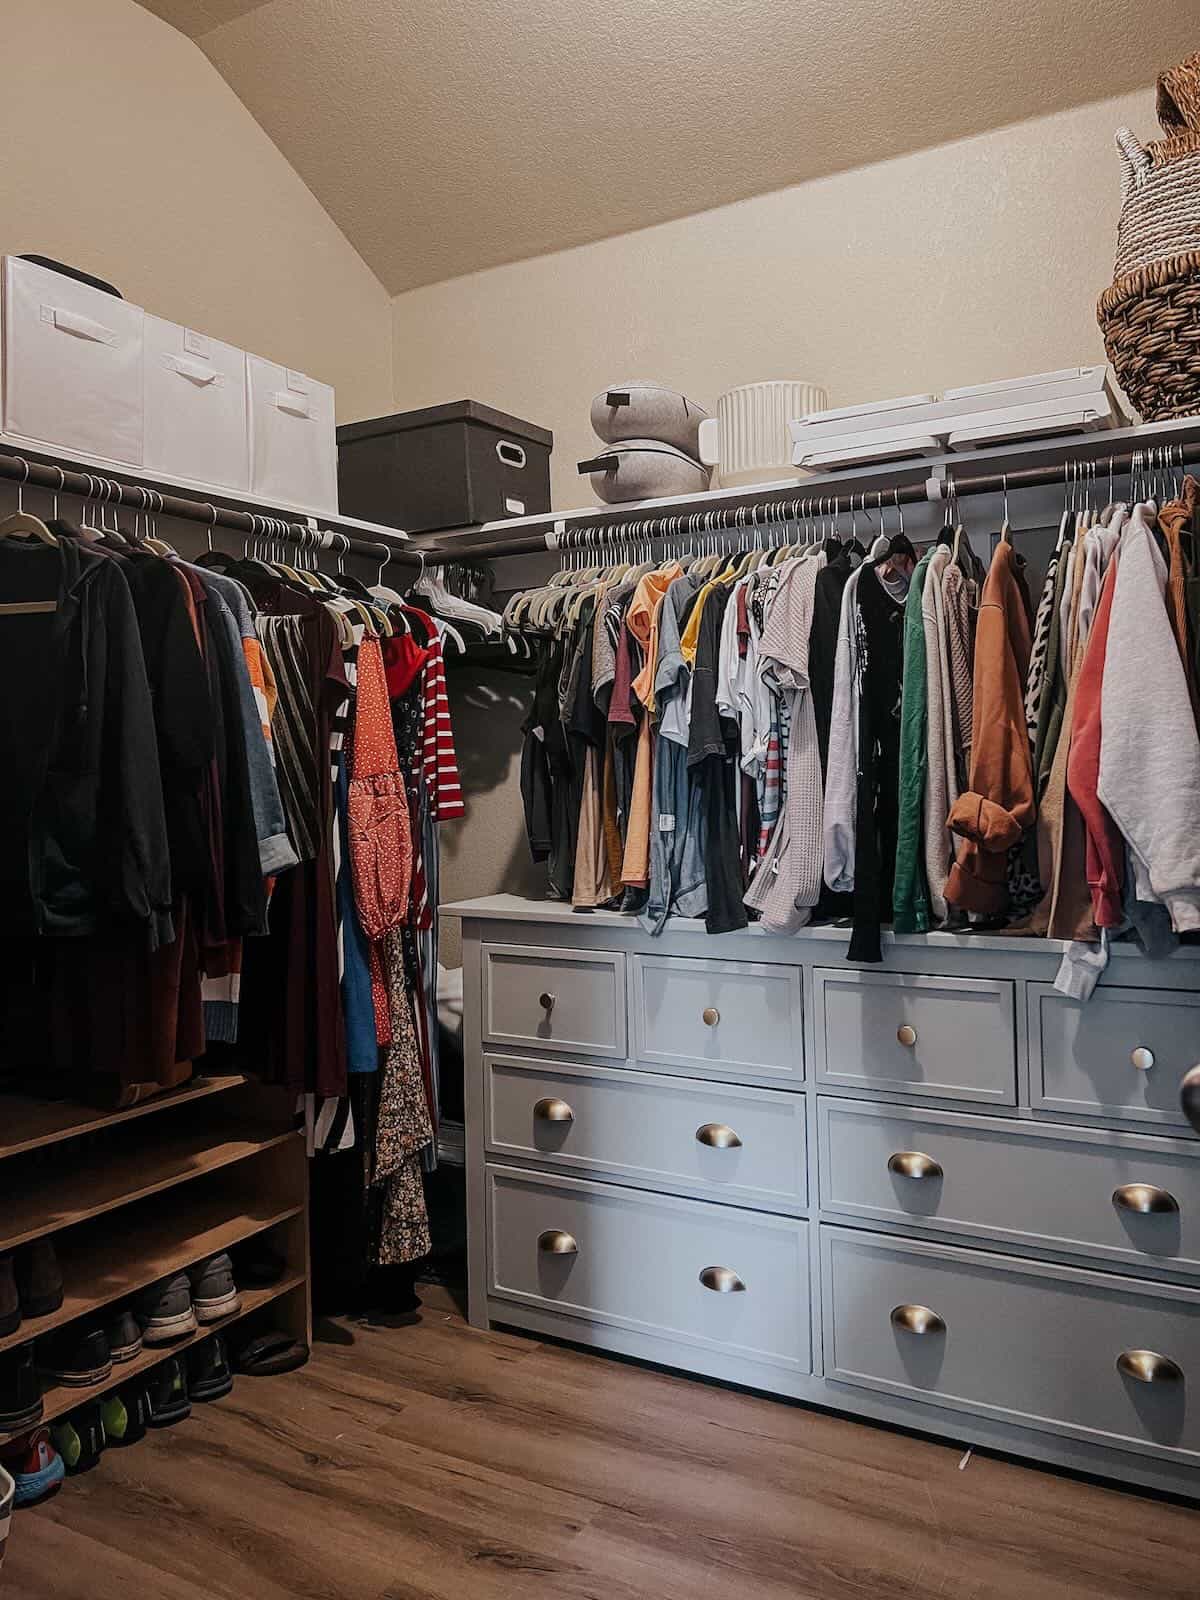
{"x":1075,"y":400}
{"x":93,"y":375}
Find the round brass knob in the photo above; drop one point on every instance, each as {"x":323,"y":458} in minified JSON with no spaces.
{"x":1142,"y":1058}
{"x":1147,"y":1366}
{"x":917,"y":1319}
{"x":906,"y":1034}
{"x":1189,"y":1097}
{"x":551,"y":1110}
{"x":554,"y":1242}
{"x":718,"y":1136}
{"x":711,"y":1016}
{"x":546,"y":1001}
{"x":912,"y":1164}
{"x":722,"y":1280}
{"x":1144,"y":1198}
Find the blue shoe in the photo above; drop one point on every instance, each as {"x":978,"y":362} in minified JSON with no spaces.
{"x":34,"y":1465}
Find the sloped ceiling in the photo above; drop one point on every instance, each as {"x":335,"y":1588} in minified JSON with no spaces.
{"x":449,"y":135}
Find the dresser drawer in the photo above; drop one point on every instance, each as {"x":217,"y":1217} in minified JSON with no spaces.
{"x":721,"y":1017}
{"x":552,"y":999}
{"x":641,"y":1262}
{"x":1037,"y":1345}
{"x":1130,"y":1199}
{"x":943,"y":1038}
{"x":1120,"y":1054}
{"x":741,"y":1145}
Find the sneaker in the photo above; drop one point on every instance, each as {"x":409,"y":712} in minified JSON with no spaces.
{"x":126,"y":1415}
{"x":210,"y":1377}
{"x":123,"y":1335}
{"x":20,"y":1391}
{"x":168,"y":1394}
{"x":34,"y":1465}
{"x":39,"y":1279}
{"x":79,"y":1438}
{"x":257,"y":1264}
{"x":165,"y":1310}
{"x":214,"y":1293}
{"x":77,"y":1355}
{"x":10,"y":1300}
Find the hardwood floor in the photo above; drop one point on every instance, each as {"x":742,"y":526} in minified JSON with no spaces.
{"x":438,"y":1462}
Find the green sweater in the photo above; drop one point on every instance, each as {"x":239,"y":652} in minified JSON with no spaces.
{"x":910,"y":898}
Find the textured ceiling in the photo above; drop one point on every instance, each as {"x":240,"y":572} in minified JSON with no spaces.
{"x":448,"y":135}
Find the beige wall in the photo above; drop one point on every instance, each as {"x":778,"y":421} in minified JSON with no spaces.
{"x":970,"y":262}
{"x":973,"y":261}
{"x":124,"y":152}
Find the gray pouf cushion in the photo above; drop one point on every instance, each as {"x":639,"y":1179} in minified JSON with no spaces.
{"x":645,"y":469}
{"x":643,"y":410}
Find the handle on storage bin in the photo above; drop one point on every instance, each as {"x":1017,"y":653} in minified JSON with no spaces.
{"x":709,"y":443}
{"x":597,"y":464}
{"x":1135,"y":159}
{"x":296,"y":405}
{"x":617,"y":397}
{"x":511,"y":454}
{"x":194,"y":371}
{"x":82,"y":327}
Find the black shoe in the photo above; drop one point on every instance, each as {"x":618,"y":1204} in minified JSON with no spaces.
{"x":20,"y":1391}
{"x":126,"y":1414}
{"x":168,"y":1391}
{"x":79,"y":1438}
{"x":123,"y":1334}
{"x":77,"y":1355}
{"x":39,"y":1279}
{"x":210,"y":1376}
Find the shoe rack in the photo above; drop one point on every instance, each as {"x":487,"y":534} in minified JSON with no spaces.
{"x":131,"y":1196}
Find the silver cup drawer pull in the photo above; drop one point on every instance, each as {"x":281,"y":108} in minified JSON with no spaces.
{"x":917,"y":1319}
{"x":913,"y":1164}
{"x":1147,"y":1366}
{"x":718,"y":1136}
{"x":556,"y":1242}
{"x":722,"y":1280}
{"x":1145,"y":1198}
{"x":552,"y":1109}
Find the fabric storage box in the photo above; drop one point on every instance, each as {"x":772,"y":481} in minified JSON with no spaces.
{"x":643,"y":469}
{"x":447,"y":466}
{"x":643,"y":410}
{"x":293,"y":448}
{"x":196,"y":418}
{"x":73,"y":359}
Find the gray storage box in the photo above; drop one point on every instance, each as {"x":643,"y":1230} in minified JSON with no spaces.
{"x":448,"y":466}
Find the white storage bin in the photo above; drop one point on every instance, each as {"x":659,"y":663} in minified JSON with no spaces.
{"x":293,"y":444}
{"x":72,"y":364}
{"x":196,"y":414}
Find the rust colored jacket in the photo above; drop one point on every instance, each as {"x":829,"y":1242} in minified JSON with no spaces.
{"x":998,"y":805}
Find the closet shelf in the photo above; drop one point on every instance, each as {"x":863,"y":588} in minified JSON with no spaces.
{"x":187,"y":488}
{"x":60,"y":1398}
{"x":27,"y":1124}
{"x":99,"y":1270}
{"x":55,"y":1199}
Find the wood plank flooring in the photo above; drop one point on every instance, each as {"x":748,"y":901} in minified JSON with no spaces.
{"x":437,"y":1463}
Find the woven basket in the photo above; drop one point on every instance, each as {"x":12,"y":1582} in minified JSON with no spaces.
{"x":1150,"y":316}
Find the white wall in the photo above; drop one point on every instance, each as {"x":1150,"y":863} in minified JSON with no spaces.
{"x":969,"y":262}
{"x":124,"y":152}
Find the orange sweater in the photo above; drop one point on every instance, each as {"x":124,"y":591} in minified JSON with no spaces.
{"x":999,"y":804}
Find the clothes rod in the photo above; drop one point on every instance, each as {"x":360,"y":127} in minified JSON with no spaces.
{"x":741,"y":514}
{"x":250,"y":524}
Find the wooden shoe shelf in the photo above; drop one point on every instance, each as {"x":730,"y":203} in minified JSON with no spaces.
{"x":131,"y":1196}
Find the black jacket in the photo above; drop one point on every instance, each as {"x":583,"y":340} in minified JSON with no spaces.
{"x":83,"y":839}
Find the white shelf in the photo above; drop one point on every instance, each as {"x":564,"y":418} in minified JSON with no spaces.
{"x":122,"y":472}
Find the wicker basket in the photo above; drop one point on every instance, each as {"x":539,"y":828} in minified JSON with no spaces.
{"x":1151,"y":314}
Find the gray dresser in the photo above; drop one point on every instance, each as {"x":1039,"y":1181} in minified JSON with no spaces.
{"x":934,"y":1192}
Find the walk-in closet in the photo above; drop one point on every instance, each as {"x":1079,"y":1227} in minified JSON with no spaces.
{"x":600,"y":823}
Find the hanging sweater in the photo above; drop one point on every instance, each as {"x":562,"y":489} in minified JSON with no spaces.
{"x":1149,"y":751}
{"x":999,"y":805}
{"x":1105,"y":848}
{"x":911,"y":898}
{"x":842,"y":767}
{"x":880,"y":665}
{"x":941,"y":784}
